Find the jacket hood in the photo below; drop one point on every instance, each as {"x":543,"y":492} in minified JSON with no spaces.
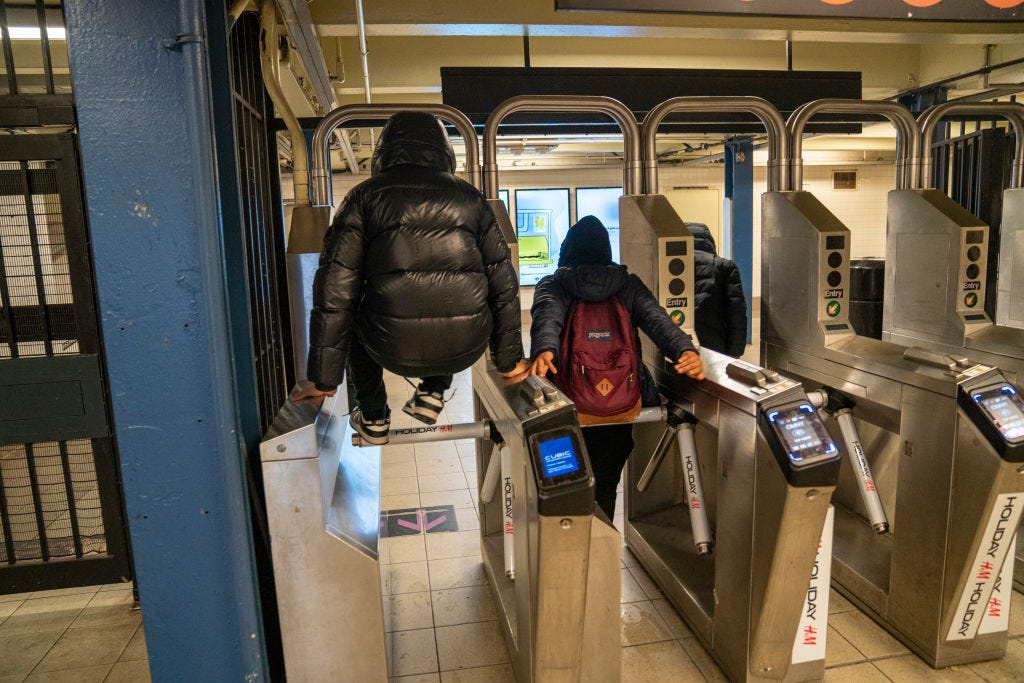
{"x":702,"y":239}
{"x":586,"y":244}
{"x":590,"y":282}
{"x":413,"y":138}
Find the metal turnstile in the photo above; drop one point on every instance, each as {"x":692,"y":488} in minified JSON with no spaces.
{"x":948,"y":488}
{"x":731,"y":514}
{"x":937,"y":280}
{"x":559,"y":591}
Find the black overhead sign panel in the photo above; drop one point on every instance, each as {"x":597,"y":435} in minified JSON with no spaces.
{"x":921,"y":10}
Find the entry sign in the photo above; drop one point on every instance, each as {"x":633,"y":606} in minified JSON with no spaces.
{"x":809,"y":645}
{"x":986,"y":570}
{"x":927,"y":10}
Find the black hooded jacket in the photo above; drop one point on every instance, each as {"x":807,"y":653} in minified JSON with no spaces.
{"x":720,"y":309}
{"x":586,"y":271}
{"x":415,"y":265}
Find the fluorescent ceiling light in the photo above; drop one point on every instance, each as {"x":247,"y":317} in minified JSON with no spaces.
{"x":32,"y":32}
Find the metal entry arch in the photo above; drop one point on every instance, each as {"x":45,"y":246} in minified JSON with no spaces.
{"x":1011,"y":111}
{"x":614,"y":109}
{"x":908,"y":137}
{"x":765,"y":111}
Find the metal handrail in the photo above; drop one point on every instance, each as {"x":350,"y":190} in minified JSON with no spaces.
{"x":321,"y":177}
{"x":614,"y":109}
{"x":778,"y":166}
{"x":1011,"y":111}
{"x":908,"y":137}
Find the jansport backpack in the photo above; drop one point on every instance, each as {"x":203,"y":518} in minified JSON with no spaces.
{"x":598,"y":362}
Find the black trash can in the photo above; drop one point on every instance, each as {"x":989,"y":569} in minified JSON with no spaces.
{"x":867,"y":289}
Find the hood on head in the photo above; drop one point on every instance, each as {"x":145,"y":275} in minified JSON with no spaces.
{"x":416,"y":138}
{"x":702,"y":239}
{"x":586,"y":244}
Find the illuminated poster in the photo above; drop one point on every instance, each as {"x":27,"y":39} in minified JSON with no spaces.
{"x":542,"y":219}
{"x":921,"y":10}
{"x":602,"y":202}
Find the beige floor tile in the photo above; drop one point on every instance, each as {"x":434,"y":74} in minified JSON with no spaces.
{"x":15,"y":597}
{"x":1016,"y":614}
{"x":454,"y":544}
{"x":631,"y":591}
{"x":136,"y":649}
{"x":85,"y":674}
{"x":705,"y":662}
{"x":393,"y":454}
{"x":464,"y":605}
{"x":467,"y":519}
{"x":81,"y":647}
{"x":646,"y":583}
{"x":407,"y":612}
{"x":108,"y":608}
{"x":666,"y":661}
{"x":398,"y":470}
{"x":468,"y":646}
{"x":129,"y":672}
{"x":628,"y":558}
{"x":675,"y":623}
{"x":839,"y":651}
{"x":871,"y":639}
{"x":435,"y":464}
{"x":837,"y":603}
{"x":642,"y":624}
{"x":412,"y":652}
{"x":456,"y":572}
{"x":116,"y":586}
{"x":16,"y":678}
{"x":9,"y":608}
{"x":457,"y":499}
{"x":1009,"y":668}
{"x":855,"y":673}
{"x":402,"y":501}
{"x":468,"y":463}
{"x":486,"y":674}
{"x":405,"y":549}
{"x":45,"y":614}
{"x":399,"y":486}
{"x":437,"y":449}
{"x":910,"y":668}
{"x":418,"y":678}
{"x":443,"y":482}
{"x":408,"y":577}
{"x":58,"y":592}
{"x":22,"y":651}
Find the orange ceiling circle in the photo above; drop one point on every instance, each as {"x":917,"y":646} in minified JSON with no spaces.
{"x":837,"y":2}
{"x":924,"y":3}
{"x":1004,"y":4}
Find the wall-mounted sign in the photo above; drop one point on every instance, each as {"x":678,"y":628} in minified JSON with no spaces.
{"x":921,"y":10}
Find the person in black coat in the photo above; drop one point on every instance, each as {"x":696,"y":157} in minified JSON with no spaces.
{"x":415,"y":277}
{"x":586,"y":271}
{"x":720,"y":309}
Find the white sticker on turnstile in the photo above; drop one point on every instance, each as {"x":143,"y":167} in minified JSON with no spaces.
{"x":809,"y":645}
{"x":975,"y":370}
{"x":996,"y":544}
{"x":997,"y":616}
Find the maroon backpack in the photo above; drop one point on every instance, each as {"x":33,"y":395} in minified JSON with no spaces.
{"x":598,"y":362}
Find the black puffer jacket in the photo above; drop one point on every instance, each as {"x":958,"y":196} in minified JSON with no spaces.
{"x":414,"y":264}
{"x":586,"y":271}
{"x":720,"y":313}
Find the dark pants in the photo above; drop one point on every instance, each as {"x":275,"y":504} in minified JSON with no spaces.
{"x":366,"y":382}
{"x":608,"y":449}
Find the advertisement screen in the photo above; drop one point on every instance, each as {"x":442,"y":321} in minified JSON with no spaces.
{"x":801,"y":432}
{"x":542,"y":219}
{"x":1004,"y":407}
{"x":602,"y":202}
{"x":558,"y":456}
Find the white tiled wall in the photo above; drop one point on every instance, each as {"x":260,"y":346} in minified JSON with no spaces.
{"x":862,"y":210}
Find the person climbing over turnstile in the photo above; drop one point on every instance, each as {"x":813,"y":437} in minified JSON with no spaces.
{"x":414,"y":277}
{"x":720,"y":309}
{"x":586,"y":272}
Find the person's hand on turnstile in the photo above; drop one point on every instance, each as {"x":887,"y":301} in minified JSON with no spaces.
{"x":544,"y":362}
{"x":310,"y":391}
{"x":520,"y":372}
{"x":689,"y":364}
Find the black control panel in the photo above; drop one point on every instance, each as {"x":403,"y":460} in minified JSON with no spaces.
{"x":565,"y":482}
{"x":997,"y":409}
{"x":800,"y":443}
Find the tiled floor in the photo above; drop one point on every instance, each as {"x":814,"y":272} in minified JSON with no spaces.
{"x":441,"y":618}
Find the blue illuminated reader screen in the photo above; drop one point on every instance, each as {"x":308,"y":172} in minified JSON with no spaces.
{"x":1004,"y":408}
{"x":801,"y":432}
{"x":558,"y":456}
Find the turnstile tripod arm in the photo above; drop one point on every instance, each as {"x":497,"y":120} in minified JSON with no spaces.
{"x":694,"y":489}
{"x":862,"y":471}
{"x":492,"y":475}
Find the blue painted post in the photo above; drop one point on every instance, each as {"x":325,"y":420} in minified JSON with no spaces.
{"x":143,"y":94}
{"x":739,"y":187}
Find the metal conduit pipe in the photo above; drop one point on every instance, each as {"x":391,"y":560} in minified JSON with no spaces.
{"x":270,"y":59}
{"x":908,"y":137}
{"x":1011,"y":111}
{"x":617,"y":111}
{"x":778,"y":165}
{"x":350,"y":112}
